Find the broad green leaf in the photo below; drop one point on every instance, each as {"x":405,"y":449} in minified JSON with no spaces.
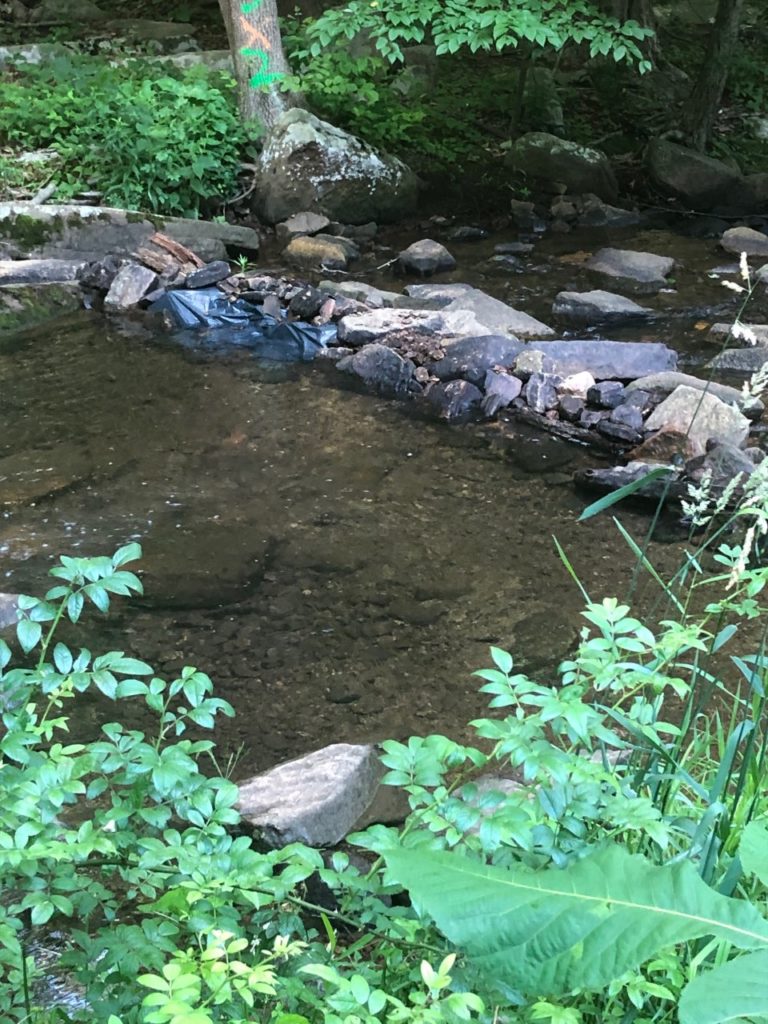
{"x":734,"y":991}
{"x":28,"y":634}
{"x":753,"y":849}
{"x":550,"y":932}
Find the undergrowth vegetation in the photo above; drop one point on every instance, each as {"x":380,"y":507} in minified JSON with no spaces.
{"x":599,"y":853}
{"x":142,"y":135}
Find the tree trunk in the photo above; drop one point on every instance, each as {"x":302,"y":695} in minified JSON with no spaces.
{"x":705,"y":97}
{"x":257,"y":52}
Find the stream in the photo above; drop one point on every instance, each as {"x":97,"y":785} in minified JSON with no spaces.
{"x":336,"y":562}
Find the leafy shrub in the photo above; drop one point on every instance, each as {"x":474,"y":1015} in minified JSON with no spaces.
{"x":143,"y":136}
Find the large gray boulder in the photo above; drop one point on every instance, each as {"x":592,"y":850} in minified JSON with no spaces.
{"x":642,"y":272}
{"x":87,"y":233}
{"x":309,"y":165}
{"x":605,"y":360}
{"x":131,"y":284}
{"x":701,"y":416}
{"x":698,"y":181}
{"x":316,"y":799}
{"x":551,"y":160}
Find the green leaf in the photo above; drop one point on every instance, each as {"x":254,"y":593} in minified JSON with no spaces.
{"x":608,"y":500}
{"x":29,"y":634}
{"x":734,"y":991}
{"x":62,"y":658}
{"x":550,"y":932}
{"x":753,"y":849}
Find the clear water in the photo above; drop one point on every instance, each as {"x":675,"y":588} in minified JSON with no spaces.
{"x":338,"y":564}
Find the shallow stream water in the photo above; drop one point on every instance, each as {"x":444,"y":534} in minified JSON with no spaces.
{"x":337,"y":563}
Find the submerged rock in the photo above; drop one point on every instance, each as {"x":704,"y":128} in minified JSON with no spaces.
{"x":597,"y":305}
{"x":316,"y":799}
{"x":645,"y":272}
{"x":721,"y":462}
{"x":309,"y":165}
{"x":9,"y":610}
{"x":701,"y":416}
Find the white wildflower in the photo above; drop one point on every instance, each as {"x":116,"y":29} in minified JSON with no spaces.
{"x":757,"y":383}
{"x":744,"y":267}
{"x":741,"y":332}
{"x":699,"y":508}
{"x":741,"y":562}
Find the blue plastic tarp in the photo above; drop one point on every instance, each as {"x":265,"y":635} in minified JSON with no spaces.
{"x":241,"y":324}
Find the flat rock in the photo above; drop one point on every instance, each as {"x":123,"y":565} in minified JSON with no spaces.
{"x":440,"y":294}
{"x":645,"y":272}
{"x":743,"y":239}
{"x":606,"y":360}
{"x":425,"y":257}
{"x":316,"y":799}
{"x":392,"y":324}
{"x":497,"y":317}
{"x":598,"y":305}
{"x":210,"y":274}
{"x":303,"y":223}
{"x":131,"y":284}
{"x":740,"y":360}
{"x":379,"y":366}
{"x":701,"y":416}
{"x":667,"y":381}
{"x":70,"y":232}
{"x":39,"y":271}
{"x":472,"y":358}
{"x":362,"y":292}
